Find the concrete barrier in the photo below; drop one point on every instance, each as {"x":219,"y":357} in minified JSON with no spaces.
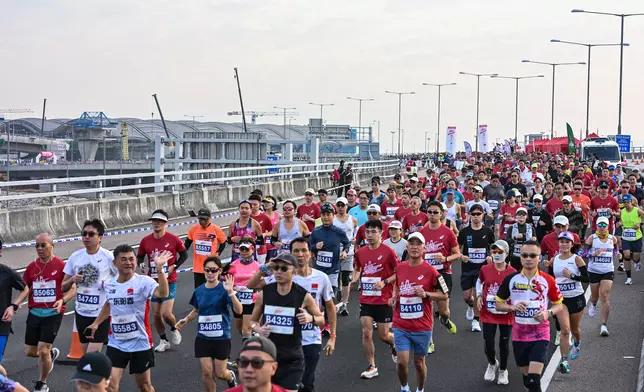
{"x":64,"y":220}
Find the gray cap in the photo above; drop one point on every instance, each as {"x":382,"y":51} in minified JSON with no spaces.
{"x":259,"y":343}
{"x":501,"y":244}
{"x":286,"y":257}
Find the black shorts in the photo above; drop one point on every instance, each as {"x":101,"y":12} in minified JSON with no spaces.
{"x":526,"y":352}
{"x":379,"y":313}
{"x":140,"y":361}
{"x":575,"y":304}
{"x":199,"y":278}
{"x":209,"y":348}
{"x":289,"y":374}
{"x":596,"y":278}
{"x":42,"y":329}
{"x":247,"y":311}
{"x":448,"y":281}
{"x":100,"y":336}
{"x":345,"y":277}
{"x":468,"y":280}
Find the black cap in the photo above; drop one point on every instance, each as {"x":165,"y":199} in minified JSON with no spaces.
{"x":92,"y":368}
{"x":604,"y":183}
{"x":204,"y":213}
{"x":327,"y":207}
{"x":323,"y":191}
{"x":286,"y":257}
{"x":260,"y":343}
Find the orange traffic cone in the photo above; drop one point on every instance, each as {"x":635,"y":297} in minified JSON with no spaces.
{"x":75,"y":349}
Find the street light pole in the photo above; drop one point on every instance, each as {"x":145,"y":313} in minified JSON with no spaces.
{"x":554,"y":67}
{"x":392,"y":141}
{"x":284,"y":109}
{"x":360,"y":110}
{"x":621,"y":57}
{"x":589,"y":46}
{"x":193,"y":119}
{"x":478,"y":86}
{"x":321,"y":105}
{"x":438,"y":117}
{"x":399,"y":115}
{"x":516,"y":100}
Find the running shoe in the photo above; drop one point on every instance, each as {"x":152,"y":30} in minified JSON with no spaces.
{"x":629,"y":281}
{"x":175,"y":337}
{"x":371,"y":372}
{"x":451,"y":327}
{"x":394,"y":354}
{"x":490,"y":372}
{"x":40,"y":387}
{"x":558,"y":338}
{"x":503,"y":378}
{"x":574,"y":350}
{"x":344,"y":311}
{"x":54,"y":356}
{"x":163,"y":345}
{"x":431,"y":349}
{"x":592,"y":310}
{"x":621,"y":267}
{"x":603,"y":331}
{"x":564,"y":368}
{"x":638,"y":267}
{"x":339,"y":307}
{"x":375,"y":325}
{"x":233,"y":382}
{"x":326,"y":330}
{"x":469,"y":315}
{"x":476,"y":326}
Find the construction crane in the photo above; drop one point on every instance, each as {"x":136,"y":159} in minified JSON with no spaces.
{"x":253,"y":114}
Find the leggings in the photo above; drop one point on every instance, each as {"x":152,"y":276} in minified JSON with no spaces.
{"x":489,"y":335}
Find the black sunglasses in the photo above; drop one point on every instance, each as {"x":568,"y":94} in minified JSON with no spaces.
{"x":433,"y":212}
{"x":211,"y":270}
{"x":529,"y":255}
{"x":256,"y":363}
{"x":41,"y":245}
{"x":476,"y":213}
{"x":88,"y":233}
{"x":282,"y":268}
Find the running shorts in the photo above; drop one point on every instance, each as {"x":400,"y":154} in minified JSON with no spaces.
{"x":448,"y":281}
{"x":289,"y":374}
{"x":468,"y":280}
{"x":575,"y":304}
{"x":379,"y":313}
{"x":345,"y":277}
{"x":210,"y":348}
{"x":140,"y":361}
{"x":42,"y":329}
{"x":100,"y":336}
{"x":633,"y":246}
{"x":526,"y":352}
{"x":418,"y":341}
{"x":596,"y":278}
{"x":173,"y":293}
{"x":247,"y":311}
{"x":3,"y":345}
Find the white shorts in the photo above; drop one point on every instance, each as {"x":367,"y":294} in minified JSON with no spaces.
{"x":347,"y":265}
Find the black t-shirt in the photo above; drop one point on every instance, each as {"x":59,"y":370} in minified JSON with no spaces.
{"x":284,"y":316}
{"x":9,"y":280}
{"x":468,"y":238}
{"x":509,"y":186}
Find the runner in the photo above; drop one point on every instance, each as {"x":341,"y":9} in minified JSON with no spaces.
{"x":631,"y":235}
{"x":529,"y":293}
{"x":376,"y":196}
{"x":475,"y":241}
{"x":517,"y":234}
{"x":257,"y":364}
{"x":360,"y":211}
{"x":211,"y":301}
{"x":550,"y":242}
{"x":244,"y":225}
{"x":288,"y":228}
{"x":539,"y":217}
{"x":270,"y":204}
{"x":506,"y":215}
{"x":286,"y":307}
{"x":349,"y":225}
{"x":489,"y":216}
{"x":493,"y":194}
{"x":242,"y":270}
{"x":414,"y":220}
{"x":569,"y":270}
{"x":44,"y":278}
{"x":388,"y":208}
{"x":162,"y":240}
{"x":376,"y":263}
{"x":417,"y":285}
{"x":265,"y":223}
{"x":309,"y":211}
{"x":405,"y":209}
{"x":351,"y":196}
{"x":88,"y":269}
{"x":604,"y":205}
{"x":209,"y":240}
{"x":554,"y":205}
{"x":575,"y":218}
{"x":127,"y":306}
{"x":490,"y":279}
{"x":93,"y":373}
{"x":373,"y":212}
{"x":395,"y":240}
{"x":453,"y":210}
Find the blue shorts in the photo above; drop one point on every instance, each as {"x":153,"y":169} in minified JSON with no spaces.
{"x":633,"y":246}
{"x":419,"y":340}
{"x":172,"y":287}
{"x":3,"y":344}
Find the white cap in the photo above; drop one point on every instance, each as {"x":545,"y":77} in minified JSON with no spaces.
{"x":309,"y":190}
{"x":373,"y":207}
{"x":342,"y":200}
{"x":537,"y":196}
{"x":561,"y":220}
{"x":478,"y":188}
{"x":567,"y":198}
{"x":395,"y":225}
{"x":414,"y":179}
{"x":602,"y":219}
{"x":418,"y":236}
{"x":158,"y":216}
{"x":444,"y":206}
{"x":522,"y":209}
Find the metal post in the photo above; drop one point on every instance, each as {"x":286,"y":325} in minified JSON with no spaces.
{"x":392,"y":141}
{"x":588,"y":91}
{"x":516,"y":115}
{"x":478,"y":88}
{"x":42,"y":123}
{"x":552,"y":115}
{"x":621,"y":71}
{"x":399,"y":117}
{"x":104,"y":169}
{"x":438,"y":126}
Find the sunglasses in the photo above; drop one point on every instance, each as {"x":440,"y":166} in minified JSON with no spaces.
{"x":535,"y":201}
{"x":497,"y":251}
{"x":282,"y":268}
{"x":287,"y":209}
{"x":521,"y":214}
{"x":626,"y":187}
{"x":529,"y":255}
{"x":476,"y":213}
{"x":256,"y":363}
{"x":372,"y":213}
{"x":211,"y":270}
{"x":41,"y":245}
{"x":577,"y":189}
{"x":88,"y":234}
{"x":602,"y":225}
{"x":433,"y":212}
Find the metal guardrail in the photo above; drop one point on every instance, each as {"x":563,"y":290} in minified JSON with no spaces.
{"x":281,"y":172}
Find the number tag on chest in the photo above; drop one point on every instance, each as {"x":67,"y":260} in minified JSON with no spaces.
{"x":44,"y":292}
{"x":411,"y":308}
{"x":324,"y":259}
{"x":125,"y":327}
{"x":527,"y":317}
{"x":280,"y":318}
{"x":203,"y":248}
{"x":211,"y":326}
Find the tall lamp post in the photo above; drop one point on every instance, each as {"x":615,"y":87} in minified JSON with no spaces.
{"x":552,"y":109}
{"x":284,"y":109}
{"x":478,"y":90}
{"x":399,"y":115}
{"x":360,"y":110}
{"x":392,"y":141}
{"x":621,"y":57}
{"x":589,"y":46}
{"x":321,"y":105}
{"x":516,"y":101}
{"x":438,"y":121}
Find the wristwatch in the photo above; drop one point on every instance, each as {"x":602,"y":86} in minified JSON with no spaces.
{"x":15,"y":307}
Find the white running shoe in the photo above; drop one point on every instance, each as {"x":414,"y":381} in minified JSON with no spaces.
{"x":476,"y":326}
{"x":592,"y":310}
{"x":175,"y":337}
{"x":54,"y":356}
{"x":371,"y":372}
{"x":629,"y":281}
{"x":490,"y":372}
{"x":163,"y":345}
{"x":503,"y":378}
{"x":603,"y":331}
{"x":558,"y":338}
{"x":469,"y":315}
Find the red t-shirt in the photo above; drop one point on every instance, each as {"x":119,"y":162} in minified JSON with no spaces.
{"x":240,"y":388}
{"x":376,"y":265}
{"x":267,"y":225}
{"x":492,"y":279}
{"x":313,"y":211}
{"x":169,"y":242}
{"x":611,"y":184}
{"x":550,"y":244}
{"x":553,"y":206}
{"x":45,"y":282}
{"x":413,"y":223}
{"x":468,"y":196}
{"x":319,"y":204}
{"x":361,"y":239}
{"x":441,"y":240}
{"x":412,"y":313}
{"x":603,"y":207}
{"x":401,"y":212}
{"x":389,"y":209}
{"x":505,"y":223}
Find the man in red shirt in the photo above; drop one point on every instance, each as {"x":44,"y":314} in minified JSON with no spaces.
{"x":556,"y":203}
{"x":257,"y":363}
{"x":390,"y":206}
{"x":161,"y":240}
{"x":309,"y":211}
{"x":604,"y":205}
{"x":416,"y":219}
{"x":405,"y":207}
{"x":373,"y":213}
{"x":550,"y":242}
{"x":612,"y":186}
{"x":264,"y":222}
{"x":44,"y":278}
{"x":374,"y":267}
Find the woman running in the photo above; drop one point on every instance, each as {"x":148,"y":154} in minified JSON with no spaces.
{"x":569,"y":271}
{"x":270,"y":209}
{"x":631,"y":235}
{"x":242,"y":270}
{"x":288,"y":228}
{"x":489,"y":281}
{"x":212,"y":344}
{"x":244,"y":225}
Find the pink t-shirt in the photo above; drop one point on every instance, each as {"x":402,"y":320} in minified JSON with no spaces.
{"x":242,"y":274}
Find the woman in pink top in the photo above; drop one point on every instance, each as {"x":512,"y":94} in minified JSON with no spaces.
{"x":269,"y":203}
{"x":242,"y":270}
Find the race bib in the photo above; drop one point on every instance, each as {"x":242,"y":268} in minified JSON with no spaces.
{"x":44,"y":292}
{"x":245,"y":296}
{"x":368,"y":289}
{"x":536,"y":219}
{"x":432,"y":261}
{"x":494,"y":204}
{"x":516,"y":250}
{"x":324,"y":259}
{"x":309,"y":331}
{"x":603,"y":212}
{"x":125,"y":327}
{"x":211,"y":326}
{"x":477,"y":255}
{"x":87,"y":296}
{"x":154,"y":273}
{"x":203,"y":248}
{"x":391,"y":211}
{"x":280,"y":318}
{"x":411,"y":308}
{"x":605,"y":257}
{"x":570,"y":286}
{"x":527,"y":317}
{"x":629,"y":234}
{"x":286,"y":245}
{"x":490,"y":305}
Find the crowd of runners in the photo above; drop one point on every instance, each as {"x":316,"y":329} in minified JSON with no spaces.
{"x":528,"y":229}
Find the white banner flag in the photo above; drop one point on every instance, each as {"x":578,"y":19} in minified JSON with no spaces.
{"x":483,"y":146}
{"x":450,"y":143}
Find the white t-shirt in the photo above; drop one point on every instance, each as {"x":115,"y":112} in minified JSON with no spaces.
{"x":96,"y":269}
{"x":130,"y":308}
{"x":319,"y":286}
{"x":399,"y":247}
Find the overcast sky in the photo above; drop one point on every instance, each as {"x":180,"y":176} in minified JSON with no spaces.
{"x":112,"y":55}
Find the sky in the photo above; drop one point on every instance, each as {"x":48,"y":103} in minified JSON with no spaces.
{"x":111,"y":55}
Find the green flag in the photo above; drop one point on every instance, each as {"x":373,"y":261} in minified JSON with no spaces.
{"x":572,"y":148}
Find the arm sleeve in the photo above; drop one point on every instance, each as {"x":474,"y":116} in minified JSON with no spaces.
{"x":140,"y":259}
{"x":479,"y":286}
{"x":583,"y":275}
{"x":504,"y":290}
{"x":222,"y":246}
{"x":183,"y":256}
{"x":187,"y":243}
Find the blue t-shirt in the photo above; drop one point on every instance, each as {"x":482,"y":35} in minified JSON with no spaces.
{"x":214,"y":315}
{"x":360,"y":215}
{"x":458,"y":197}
